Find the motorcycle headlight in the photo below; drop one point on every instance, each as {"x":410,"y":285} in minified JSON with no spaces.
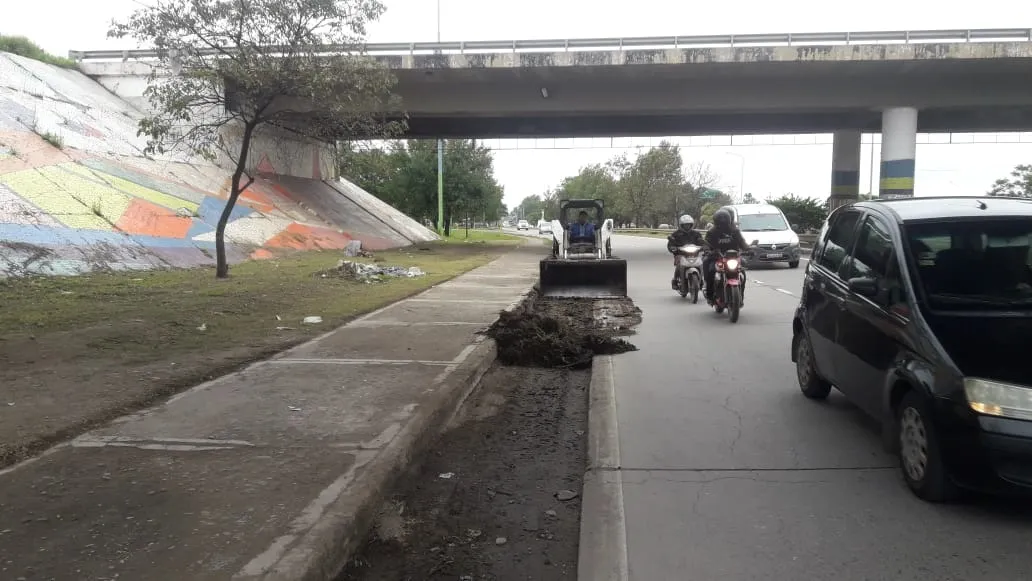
{"x":994,"y":398}
{"x":732,"y":263}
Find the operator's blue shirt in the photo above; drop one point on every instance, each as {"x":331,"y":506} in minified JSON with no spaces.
{"x":586,"y":230}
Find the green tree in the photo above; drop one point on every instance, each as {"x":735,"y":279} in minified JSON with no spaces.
{"x":1018,"y":185}
{"x":404,"y":174}
{"x":593,"y":182}
{"x":803,"y":213}
{"x":650,"y":181}
{"x":374,"y":169}
{"x":236,"y":64}
{"x":748,"y":198}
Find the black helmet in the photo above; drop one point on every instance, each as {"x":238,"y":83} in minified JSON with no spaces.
{"x":722,"y":218}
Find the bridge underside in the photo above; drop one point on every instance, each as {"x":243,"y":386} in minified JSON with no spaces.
{"x":960,"y":120}
{"x":952,"y":95}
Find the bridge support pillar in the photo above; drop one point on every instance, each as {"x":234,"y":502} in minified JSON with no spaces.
{"x":845,"y":168}
{"x":899,"y":146}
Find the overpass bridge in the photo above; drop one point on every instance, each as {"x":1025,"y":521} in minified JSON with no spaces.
{"x":846,"y":83}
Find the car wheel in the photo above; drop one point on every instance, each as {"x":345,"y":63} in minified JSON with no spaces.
{"x":810,"y":383}
{"x":793,"y":264}
{"x":919,"y":452}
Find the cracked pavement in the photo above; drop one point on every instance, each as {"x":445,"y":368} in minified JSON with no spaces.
{"x":730,"y":474}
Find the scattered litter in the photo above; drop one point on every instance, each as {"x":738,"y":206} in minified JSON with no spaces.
{"x":184,"y":213}
{"x":279,"y":318}
{"x":564,"y":495}
{"x":293,"y":408}
{"x":312,"y":320}
{"x":466,"y":578}
{"x":67,"y":293}
{"x":284,"y":328}
{"x":501,"y":541}
{"x":10,"y":403}
{"x":203,"y":327}
{"x":473,"y":533}
{"x":371,"y":272}
{"x":446,"y":475}
{"x":551,"y":513}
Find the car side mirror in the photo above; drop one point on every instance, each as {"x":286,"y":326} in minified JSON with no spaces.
{"x":863,"y":286}
{"x":795,"y":227}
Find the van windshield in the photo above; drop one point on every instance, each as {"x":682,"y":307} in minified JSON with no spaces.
{"x":761,"y":222}
{"x":978,"y":264}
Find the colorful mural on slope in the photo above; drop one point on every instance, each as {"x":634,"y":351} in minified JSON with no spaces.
{"x":76,"y":213}
{"x":86,"y":198}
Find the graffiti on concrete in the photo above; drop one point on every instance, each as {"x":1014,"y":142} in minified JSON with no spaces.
{"x":77,"y":194}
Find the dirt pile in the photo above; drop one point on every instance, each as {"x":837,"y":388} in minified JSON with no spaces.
{"x":563,"y":333}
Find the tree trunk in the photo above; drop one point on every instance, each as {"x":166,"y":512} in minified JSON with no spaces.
{"x":221,"y":264}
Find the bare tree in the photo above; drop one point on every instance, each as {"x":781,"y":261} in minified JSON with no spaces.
{"x":241,"y":65}
{"x":699,"y":176}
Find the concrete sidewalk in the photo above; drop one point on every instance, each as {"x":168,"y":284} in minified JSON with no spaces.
{"x":273,"y":472}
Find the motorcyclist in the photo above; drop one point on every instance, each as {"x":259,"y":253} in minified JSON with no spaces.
{"x":723,"y":236}
{"x":685,"y":234}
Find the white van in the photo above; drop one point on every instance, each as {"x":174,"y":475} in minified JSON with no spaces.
{"x":777,"y":242}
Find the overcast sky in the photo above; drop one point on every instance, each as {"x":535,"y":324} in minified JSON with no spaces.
{"x":61,"y":25}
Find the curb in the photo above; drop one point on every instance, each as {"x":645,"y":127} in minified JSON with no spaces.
{"x":323,"y":550}
{"x":603,"y":530}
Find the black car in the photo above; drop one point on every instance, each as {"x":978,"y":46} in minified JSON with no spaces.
{"x":919,"y":310}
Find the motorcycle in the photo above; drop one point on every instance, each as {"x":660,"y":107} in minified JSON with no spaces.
{"x":729,"y":284}
{"x":688,"y":271}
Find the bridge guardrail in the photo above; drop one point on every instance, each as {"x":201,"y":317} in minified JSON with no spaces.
{"x":638,"y":43}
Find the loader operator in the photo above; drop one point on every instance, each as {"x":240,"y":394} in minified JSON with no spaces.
{"x":582,"y":230}
{"x":684,"y":235}
{"x":723,"y":236}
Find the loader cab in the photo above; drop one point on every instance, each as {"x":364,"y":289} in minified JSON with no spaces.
{"x":581,"y":267}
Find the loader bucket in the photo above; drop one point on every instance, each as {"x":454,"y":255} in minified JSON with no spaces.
{"x":593,"y":278}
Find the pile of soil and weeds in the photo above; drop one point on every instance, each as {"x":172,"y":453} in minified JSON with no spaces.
{"x":497,"y":499}
{"x":567,"y":333}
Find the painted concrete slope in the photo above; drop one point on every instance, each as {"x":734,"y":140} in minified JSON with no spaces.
{"x":96,"y":203}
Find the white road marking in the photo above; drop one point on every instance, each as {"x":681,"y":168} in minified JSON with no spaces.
{"x":781,"y":290}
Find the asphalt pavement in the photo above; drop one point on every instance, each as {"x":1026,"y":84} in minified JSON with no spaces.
{"x":730,"y":474}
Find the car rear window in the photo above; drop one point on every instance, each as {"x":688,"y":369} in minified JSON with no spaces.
{"x":973,"y":264}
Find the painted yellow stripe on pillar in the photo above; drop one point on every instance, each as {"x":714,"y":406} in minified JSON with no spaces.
{"x":850,"y":191}
{"x":896,"y":183}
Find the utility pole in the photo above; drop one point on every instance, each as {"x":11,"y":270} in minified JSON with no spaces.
{"x":440,"y":150}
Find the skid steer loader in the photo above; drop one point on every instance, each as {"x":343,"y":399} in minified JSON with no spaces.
{"x":581,"y":268}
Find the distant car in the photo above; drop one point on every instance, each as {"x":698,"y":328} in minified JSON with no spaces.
{"x":523,"y":225}
{"x":766,"y":224}
{"x":544,"y":227}
{"x":920,"y":311}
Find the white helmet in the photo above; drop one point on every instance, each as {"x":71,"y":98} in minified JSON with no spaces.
{"x":686,"y":221}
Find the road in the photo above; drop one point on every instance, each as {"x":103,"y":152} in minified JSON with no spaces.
{"x":729,"y":473}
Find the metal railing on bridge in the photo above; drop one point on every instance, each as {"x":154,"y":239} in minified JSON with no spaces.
{"x":640,"y":43}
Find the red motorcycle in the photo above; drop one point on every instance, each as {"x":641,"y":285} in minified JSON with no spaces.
{"x":729,"y":284}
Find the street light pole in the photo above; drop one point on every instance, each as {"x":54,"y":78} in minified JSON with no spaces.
{"x":741,"y":174}
{"x":440,"y":151}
